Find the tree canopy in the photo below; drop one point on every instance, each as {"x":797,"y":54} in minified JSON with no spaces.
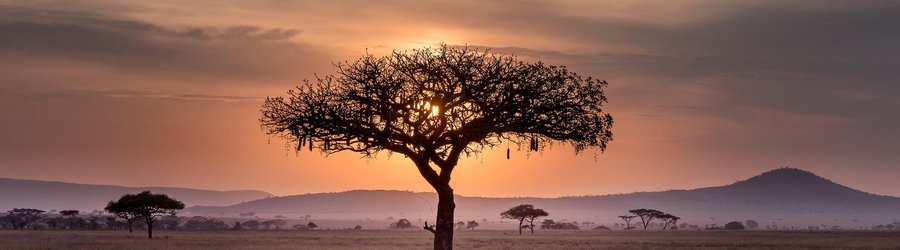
{"x":646,"y":215}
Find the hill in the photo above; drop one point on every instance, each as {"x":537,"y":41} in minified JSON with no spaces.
{"x":86,"y":197}
{"x":785,"y":195}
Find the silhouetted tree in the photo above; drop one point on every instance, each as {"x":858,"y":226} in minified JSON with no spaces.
{"x":471,"y":224}
{"x":627,"y":219}
{"x":401,"y":224}
{"x":752,"y":224}
{"x":734,"y":225}
{"x":460,"y":225}
{"x":668,"y":220}
{"x":147,"y":206}
{"x":646,"y":215}
{"x":311,"y":225}
{"x":522,"y":213}
{"x":124,"y":211}
{"x":434,"y":105}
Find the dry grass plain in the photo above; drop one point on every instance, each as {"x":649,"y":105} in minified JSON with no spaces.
{"x":482,"y":239}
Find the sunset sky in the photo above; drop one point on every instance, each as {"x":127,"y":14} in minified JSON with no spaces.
{"x":704,"y":93}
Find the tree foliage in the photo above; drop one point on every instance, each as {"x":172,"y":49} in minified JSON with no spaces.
{"x":21,"y":218}
{"x":734,"y":225}
{"x":646,"y":215}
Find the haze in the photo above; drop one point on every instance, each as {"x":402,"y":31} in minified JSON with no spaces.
{"x":703,"y":92}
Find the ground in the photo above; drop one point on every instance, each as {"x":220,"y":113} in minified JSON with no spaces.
{"x":478,"y":239}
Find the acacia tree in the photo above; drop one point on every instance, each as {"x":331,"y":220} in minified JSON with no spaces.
{"x":522,"y":213}
{"x":646,"y":215}
{"x":434,"y":106}
{"x":121,"y":210}
{"x":669,"y":219}
{"x":147,"y":206}
{"x":627,"y":219}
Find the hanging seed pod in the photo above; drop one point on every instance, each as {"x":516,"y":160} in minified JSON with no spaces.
{"x":310,"y":144}
{"x":507,"y":153}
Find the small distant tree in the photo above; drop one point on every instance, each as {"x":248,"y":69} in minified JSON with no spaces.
{"x":646,"y":215}
{"x":627,"y":219}
{"x":460,"y":225}
{"x":311,"y":225}
{"x":401,"y":224}
{"x":357,"y":227}
{"x":734,"y":225}
{"x":472,"y":224}
{"x":751,"y":224}
{"x":145,"y":205}
{"x":669,"y":220}
{"x":522,"y":213}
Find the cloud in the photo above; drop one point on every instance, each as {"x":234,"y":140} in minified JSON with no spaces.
{"x":217,"y":55}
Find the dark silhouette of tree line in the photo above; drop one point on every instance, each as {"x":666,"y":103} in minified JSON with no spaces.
{"x":434,"y":106}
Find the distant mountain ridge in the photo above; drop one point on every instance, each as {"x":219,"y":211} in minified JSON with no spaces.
{"x":784,"y":193}
{"x":86,"y":197}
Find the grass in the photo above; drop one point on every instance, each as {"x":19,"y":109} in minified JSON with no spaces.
{"x":481,"y":239}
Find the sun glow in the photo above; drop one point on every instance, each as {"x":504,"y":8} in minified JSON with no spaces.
{"x":435,"y":109}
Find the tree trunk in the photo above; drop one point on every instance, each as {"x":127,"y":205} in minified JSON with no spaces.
{"x":130,"y":222}
{"x":443,"y":229}
{"x":531,"y":222}
{"x":150,"y":229}
{"x":520,"y":226}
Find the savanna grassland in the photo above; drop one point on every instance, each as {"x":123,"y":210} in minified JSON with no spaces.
{"x":481,"y":239}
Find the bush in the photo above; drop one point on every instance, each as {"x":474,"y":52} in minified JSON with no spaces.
{"x":734,"y":225}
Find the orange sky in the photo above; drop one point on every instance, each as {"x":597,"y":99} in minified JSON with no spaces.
{"x":703,"y":92}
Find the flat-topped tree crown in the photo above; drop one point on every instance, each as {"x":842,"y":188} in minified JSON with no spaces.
{"x":433,"y":105}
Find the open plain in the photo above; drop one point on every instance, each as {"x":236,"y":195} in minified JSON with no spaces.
{"x":477,"y":239}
